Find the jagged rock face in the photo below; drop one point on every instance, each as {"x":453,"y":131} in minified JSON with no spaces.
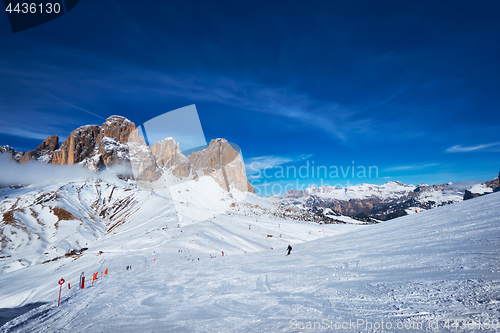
{"x":353,"y":207}
{"x":142,"y":161}
{"x":27,"y":157}
{"x":7,"y":149}
{"x":97,"y":146}
{"x":78,"y":146}
{"x":44,"y":152}
{"x":111,"y":143}
{"x":219,"y":161}
{"x":168,"y":155}
{"x":223,"y":163}
{"x":50,"y":144}
{"x":213,"y":160}
{"x":250,"y":187}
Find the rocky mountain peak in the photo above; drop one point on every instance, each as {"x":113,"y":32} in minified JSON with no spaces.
{"x":117,"y":128}
{"x":111,"y":143}
{"x":168,"y":154}
{"x":15,"y":155}
{"x":44,"y":152}
{"x":117,"y":141}
{"x":7,"y":149}
{"x":223,"y":163}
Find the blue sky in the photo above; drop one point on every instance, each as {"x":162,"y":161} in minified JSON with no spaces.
{"x":408,"y":87}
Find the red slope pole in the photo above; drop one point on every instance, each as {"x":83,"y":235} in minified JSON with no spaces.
{"x":61,"y":282}
{"x":59,"y":300}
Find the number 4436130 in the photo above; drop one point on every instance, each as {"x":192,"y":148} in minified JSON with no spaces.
{"x":469,"y":324}
{"x":34,"y":8}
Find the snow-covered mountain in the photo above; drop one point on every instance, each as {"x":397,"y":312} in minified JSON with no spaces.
{"x":57,"y":200}
{"x":380,"y":202}
{"x":47,"y":223}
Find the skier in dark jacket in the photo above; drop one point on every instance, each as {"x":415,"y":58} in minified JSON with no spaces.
{"x":289,"y":250}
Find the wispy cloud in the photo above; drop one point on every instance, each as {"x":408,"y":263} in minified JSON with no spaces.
{"x":112,"y":83}
{"x":74,"y":106}
{"x":23,"y":133}
{"x":467,"y":149}
{"x":256,"y":165}
{"x":301,"y":108}
{"x":411,"y":167}
{"x":333,"y":118}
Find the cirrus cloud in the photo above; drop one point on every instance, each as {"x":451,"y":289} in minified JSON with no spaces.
{"x":254,"y":166}
{"x":467,"y":149}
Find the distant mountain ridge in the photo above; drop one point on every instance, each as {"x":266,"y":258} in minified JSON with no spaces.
{"x":380,"y":202}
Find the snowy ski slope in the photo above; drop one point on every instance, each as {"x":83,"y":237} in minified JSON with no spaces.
{"x":441,"y":264}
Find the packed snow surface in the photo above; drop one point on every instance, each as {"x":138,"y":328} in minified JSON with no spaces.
{"x":436,"y":265}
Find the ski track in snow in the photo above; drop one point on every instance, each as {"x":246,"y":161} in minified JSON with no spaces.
{"x":440,"y":264}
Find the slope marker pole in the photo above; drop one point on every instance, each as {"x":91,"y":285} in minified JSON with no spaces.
{"x":61,"y":282}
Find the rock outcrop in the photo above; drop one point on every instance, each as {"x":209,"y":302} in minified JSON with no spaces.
{"x":44,"y":152}
{"x":142,"y":160}
{"x":469,"y":195}
{"x":223,"y":163}
{"x":169,"y":156}
{"x":494,"y":183}
{"x":79,"y":145}
{"x":97,"y":146}
{"x":117,"y":128}
{"x":219,"y":161}
{"x":483,"y":188}
{"x":111,"y":143}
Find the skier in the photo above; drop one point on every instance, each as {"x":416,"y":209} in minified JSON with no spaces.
{"x":289,"y":248}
